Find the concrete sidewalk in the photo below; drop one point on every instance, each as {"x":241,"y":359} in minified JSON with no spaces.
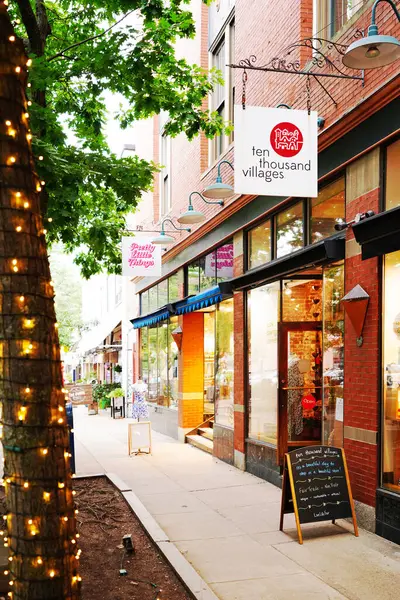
{"x":226,"y":523}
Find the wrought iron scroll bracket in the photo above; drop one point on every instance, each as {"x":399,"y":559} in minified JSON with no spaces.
{"x":320,"y":64}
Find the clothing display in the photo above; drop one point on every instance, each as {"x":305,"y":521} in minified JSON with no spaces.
{"x":295,"y":409}
{"x":140,"y":410}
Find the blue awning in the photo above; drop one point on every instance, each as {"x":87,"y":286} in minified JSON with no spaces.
{"x":192,"y":303}
{"x":151,"y":319}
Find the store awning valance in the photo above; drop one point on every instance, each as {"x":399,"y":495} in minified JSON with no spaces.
{"x":192,"y":303}
{"x":379,"y":234}
{"x":152,"y":318}
{"x":323,"y":252}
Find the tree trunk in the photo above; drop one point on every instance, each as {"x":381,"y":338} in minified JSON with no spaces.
{"x":41,"y":527}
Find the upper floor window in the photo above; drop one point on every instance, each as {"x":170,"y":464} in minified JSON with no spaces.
{"x":332,"y":15}
{"x":223,"y":96}
{"x":392,"y":196}
{"x":167,"y":290}
{"x":208,"y":270}
{"x":165,"y":196}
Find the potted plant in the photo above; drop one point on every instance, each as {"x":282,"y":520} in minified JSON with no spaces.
{"x":117,"y":369}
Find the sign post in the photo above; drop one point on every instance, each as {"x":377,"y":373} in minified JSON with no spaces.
{"x":316,"y":487}
{"x":276,"y":152}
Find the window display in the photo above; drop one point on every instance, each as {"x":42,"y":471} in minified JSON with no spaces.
{"x":391,"y":361}
{"x":159,"y":363}
{"x":333,"y":355}
{"x":224,"y":364}
{"x":263,"y":318}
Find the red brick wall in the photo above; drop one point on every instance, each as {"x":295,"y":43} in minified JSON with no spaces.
{"x":264,"y":28}
{"x":361,"y":386}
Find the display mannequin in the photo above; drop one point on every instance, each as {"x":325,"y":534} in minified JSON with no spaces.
{"x":140,"y":410}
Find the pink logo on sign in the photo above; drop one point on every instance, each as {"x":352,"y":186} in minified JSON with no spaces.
{"x":141,"y":255}
{"x":286,"y":139}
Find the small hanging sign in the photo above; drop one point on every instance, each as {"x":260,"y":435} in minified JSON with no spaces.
{"x":140,"y":258}
{"x":316,"y":487}
{"x":276,"y":152}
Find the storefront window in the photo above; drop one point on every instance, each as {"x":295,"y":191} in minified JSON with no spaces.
{"x":259,"y":245}
{"x":327,"y":210}
{"x":301,"y":300}
{"x":159,"y":363}
{"x":391,"y":361}
{"x":144,"y":354}
{"x":333,"y":356}
{"x":163,"y":390}
{"x":263,"y":318}
{"x":224,"y":364}
{"x":393,"y":175}
{"x":153,"y":365}
{"x":209,"y":363}
{"x":172,"y":364}
{"x":289,"y":230}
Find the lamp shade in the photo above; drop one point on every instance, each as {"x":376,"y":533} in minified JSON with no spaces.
{"x":191,"y":216}
{"x":218,"y":190}
{"x":162,"y":239}
{"x":372,"y":52}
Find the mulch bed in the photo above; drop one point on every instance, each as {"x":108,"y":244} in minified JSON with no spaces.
{"x":103,"y":519}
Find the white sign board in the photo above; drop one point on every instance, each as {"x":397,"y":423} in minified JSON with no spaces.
{"x":339,"y":409}
{"x":276,"y":152}
{"x":140,"y":258}
{"x":139,"y":436}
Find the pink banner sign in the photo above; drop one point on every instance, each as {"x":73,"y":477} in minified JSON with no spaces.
{"x":220,"y":262}
{"x":140,"y":258}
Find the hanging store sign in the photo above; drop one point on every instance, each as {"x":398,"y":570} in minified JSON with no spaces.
{"x":276,"y":152}
{"x":140,"y":258}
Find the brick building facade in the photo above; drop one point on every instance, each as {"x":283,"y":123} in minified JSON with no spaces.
{"x":238,"y":377}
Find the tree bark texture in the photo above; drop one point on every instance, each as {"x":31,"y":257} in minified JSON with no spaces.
{"x":40,"y":524}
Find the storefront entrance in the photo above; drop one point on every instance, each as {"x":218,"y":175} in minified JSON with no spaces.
{"x":300,"y":385}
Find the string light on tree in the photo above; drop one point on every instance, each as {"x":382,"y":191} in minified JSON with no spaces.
{"x":36,"y":468}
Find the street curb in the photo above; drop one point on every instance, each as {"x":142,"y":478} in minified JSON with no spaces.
{"x":184,"y":570}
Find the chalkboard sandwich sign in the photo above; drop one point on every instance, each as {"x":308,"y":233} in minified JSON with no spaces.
{"x":316,"y":487}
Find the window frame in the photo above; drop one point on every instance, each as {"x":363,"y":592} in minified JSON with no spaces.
{"x":226,"y":37}
{"x":274,"y":213}
{"x":165,"y":201}
{"x":327,"y":31}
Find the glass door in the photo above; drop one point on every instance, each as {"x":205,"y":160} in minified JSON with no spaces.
{"x":300,"y":385}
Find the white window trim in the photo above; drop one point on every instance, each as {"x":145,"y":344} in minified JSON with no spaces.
{"x":228,"y":75}
{"x":164,"y":173}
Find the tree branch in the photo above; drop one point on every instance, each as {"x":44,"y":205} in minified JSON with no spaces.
{"x":62,"y":52}
{"x":31,"y":26}
{"x":43,"y":21}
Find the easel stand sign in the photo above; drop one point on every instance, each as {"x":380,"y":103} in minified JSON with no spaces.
{"x":139,"y":437}
{"x":316,"y":487}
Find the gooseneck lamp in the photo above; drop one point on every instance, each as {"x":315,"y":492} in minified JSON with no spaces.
{"x":165,"y":239}
{"x":192,"y":216}
{"x":373,"y":50}
{"x":219,"y":190}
